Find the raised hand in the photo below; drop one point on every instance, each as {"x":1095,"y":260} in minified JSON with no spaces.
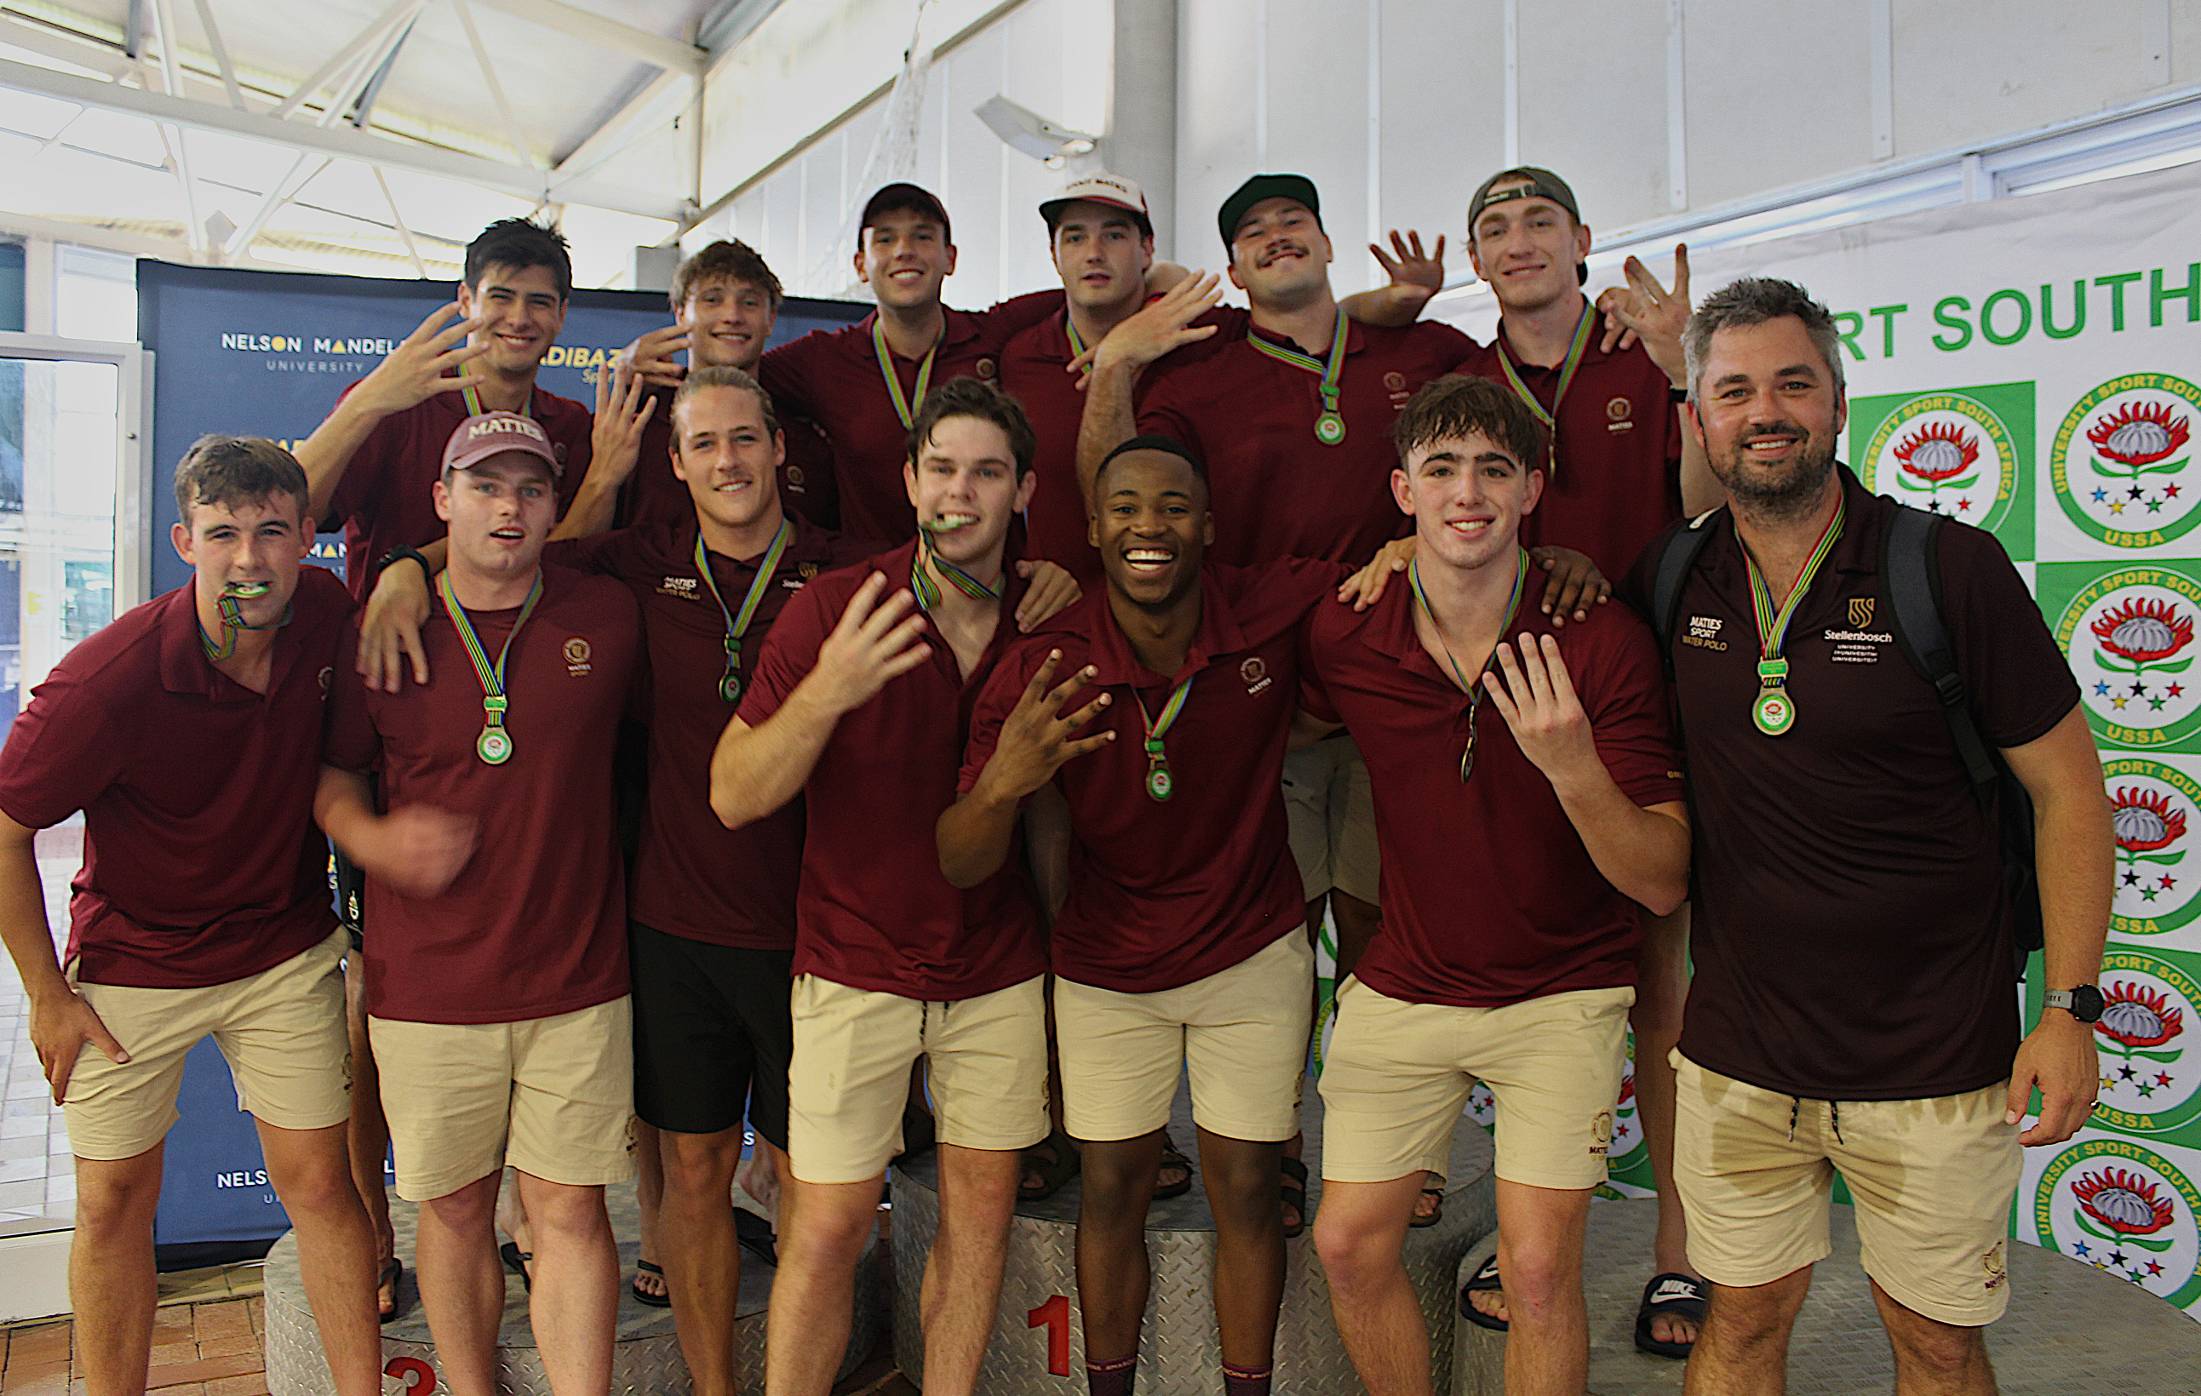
{"x":651,"y":356}
{"x":1537,"y":697}
{"x":1411,"y":270}
{"x":1649,"y":310}
{"x":623,"y":408}
{"x":1165,"y":324}
{"x":1038,"y":736}
{"x":430,"y":360}
{"x":874,"y":642}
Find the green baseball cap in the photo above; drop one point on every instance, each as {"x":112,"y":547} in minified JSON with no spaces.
{"x":1541,"y":184}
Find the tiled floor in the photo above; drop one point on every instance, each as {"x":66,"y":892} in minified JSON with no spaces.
{"x":37,"y":1172}
{"x":206,"y":1342}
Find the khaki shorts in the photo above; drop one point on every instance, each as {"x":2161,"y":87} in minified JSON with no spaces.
{"x":1397,"y":1076}
{"x":1333,"y":820}
{"x":1932,"y":1181}
{"x":985,"y":1060}
{"x":281,"y":1031}
{"x":552,"y":1097}
{"x":1242,"y":1031}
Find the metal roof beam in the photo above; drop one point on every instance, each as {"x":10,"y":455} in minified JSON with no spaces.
{"x":670,"y":54}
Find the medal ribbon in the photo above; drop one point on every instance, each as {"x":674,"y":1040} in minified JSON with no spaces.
{"x":1331,"y":374}
{"x":1773,"y":624}
{"x":1159,"y":785}
{"x":1474,"y":690}
{"x":233,"y":624}
{"x":1567,"y":369}
{"x":737,"y":624}
{"x":493,"y":701}
{"x":904,"y":407}
{"x":1077,"y":341}
{"x":927,"y":590}
{"x":475,"y":409}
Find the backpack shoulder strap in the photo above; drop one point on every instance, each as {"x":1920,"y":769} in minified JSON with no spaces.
{"x":1678,"y":549}
{"x":1910,"y":569}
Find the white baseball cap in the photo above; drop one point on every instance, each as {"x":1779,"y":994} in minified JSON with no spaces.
{"x":1101,"y":188}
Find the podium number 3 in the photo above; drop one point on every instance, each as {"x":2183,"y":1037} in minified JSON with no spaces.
{"x":1054,"y":1316}
{"x":418,"y":1376}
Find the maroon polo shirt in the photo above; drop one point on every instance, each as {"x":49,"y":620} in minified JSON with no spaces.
{"x":1035,"y":371}
{"x":1851,"y":936}
{"x":874,"y":912}
{"x":832,"y":377}
{"x":535,"y":924}
{"x":1489,"y":897}
{"x":1278,"y":492}
{"x":1618,"y":484}
{"x":201,"y":862}
{"x":654,"y":495}
{"x":387,"y":496}
{"x":1163,"y":894}
{"x":694,"y":877}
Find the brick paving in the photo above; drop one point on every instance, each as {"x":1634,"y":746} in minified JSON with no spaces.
{"x":199,"y":1349}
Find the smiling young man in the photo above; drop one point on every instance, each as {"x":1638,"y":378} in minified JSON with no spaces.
{"x":859,"y":705}
{"x":1181,"y":942}
{"x":1621,"y":466}
{"x":1851,"y":1008}
{"x":864,"y":383}
{"x":497,"y":992}
{"x":1565,"y":813}
{"x":189,"y":733}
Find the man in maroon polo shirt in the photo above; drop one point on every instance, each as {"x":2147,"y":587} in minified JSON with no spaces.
{"x":1565,"y":810}
{"x":1854,"y":940}
{"x":497,"y":1000}
{"x":863,"y":383}
{"x":725,"y":301}
{"x":859,"y":704}
{"x":1181,"y":941}
{"x":1622,"y":467}
{"x":189,"y":733}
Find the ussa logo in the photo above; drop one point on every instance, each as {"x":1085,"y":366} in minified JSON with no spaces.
{"x":1948,"y":453}
{"x":2152,"y":804}
{"x":2129,"y":636}
{"x":2119,"y":460}
{"x":2120,"y":1206}
{"x":2149,"y":1008}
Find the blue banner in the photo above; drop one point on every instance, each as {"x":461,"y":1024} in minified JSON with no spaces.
{"x":262,"y":353}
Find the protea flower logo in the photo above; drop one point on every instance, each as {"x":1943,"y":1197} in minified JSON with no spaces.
{"x":2119,"y":458}
{"x":2130,"y":636}
{"x":1947,"y":452}
{"x":2120,"y":1206}
{"x":2152,"y":806}
{"x":2145,"y":1088}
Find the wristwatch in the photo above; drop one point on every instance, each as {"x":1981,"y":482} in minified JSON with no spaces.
{"x":2083,"y":1002}
{"x":403,"y":554}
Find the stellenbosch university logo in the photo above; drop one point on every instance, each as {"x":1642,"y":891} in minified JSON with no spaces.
{"x":2129,"y":636}
{"x":2119,"y":460}
{"x":2153,"y":807}
{"x":2147,"y":1026}
{"x":1947,"y":453}
{"x":2122,"y":1207}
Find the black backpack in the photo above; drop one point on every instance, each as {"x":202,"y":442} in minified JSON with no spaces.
{"x":1911,"y":573}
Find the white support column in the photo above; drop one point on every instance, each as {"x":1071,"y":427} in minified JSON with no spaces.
{"x":1141,"y":139}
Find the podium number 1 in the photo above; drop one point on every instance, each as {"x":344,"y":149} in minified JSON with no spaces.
{"x":1054,"y":1316}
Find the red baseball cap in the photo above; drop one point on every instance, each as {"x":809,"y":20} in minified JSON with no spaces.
{"x":494,"y":434}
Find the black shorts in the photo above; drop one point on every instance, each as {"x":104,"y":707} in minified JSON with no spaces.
{"x":712,"y":1035}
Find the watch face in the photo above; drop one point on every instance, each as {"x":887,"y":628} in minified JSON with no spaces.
{"x":2086,"y":1003}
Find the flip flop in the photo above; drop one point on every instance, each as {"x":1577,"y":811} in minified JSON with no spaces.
{"x":1173,"y":1157}
{"x":1293,"y":1192}
{"x":1436,"y":1213}
{"x":755,"y":1235}
{"x":1673,"y":1295}
{"x":390,"y":1278}
{"x":1484,"y":1281}
{"x":516,"y":1260}
{"x":643,"y":1296}
{"x":1056,"y":1161}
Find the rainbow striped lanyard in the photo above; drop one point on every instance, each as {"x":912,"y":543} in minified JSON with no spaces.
{"x":1329,"y":427}
{"x":494,"y":745}
{"x":927,"y":591}
{"x":233,"y":624}
{"x":904,"y":407}
{"x":1568,"y":367}
{"x":737,"y":623}
{"x":1160,"y":784}
{"x":1774,"y":710}
{"x":1474,"y":690}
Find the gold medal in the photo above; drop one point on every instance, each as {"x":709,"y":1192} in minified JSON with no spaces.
{"x":1329,"y":429}
{"x":494,"y":746}
{"x":1159,"y":784}
{"x":1773,"y":712}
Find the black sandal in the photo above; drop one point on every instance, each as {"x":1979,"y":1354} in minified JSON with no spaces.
{"x":755,"y":1235}
{"x":643,"y":1296}
{"x":516,"y":1260}
{"x":1671,"y":1295}
{"x":1172,"y":1157}
{"x":391,"y":1278}
{"x":1293,"y":1193}
{"x":1484,"y":1281}
{"x":1055,"y":1159}
{"x":1436,"y":1214}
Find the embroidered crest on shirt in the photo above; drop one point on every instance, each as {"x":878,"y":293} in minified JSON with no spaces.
{"x":1619,"y":415}
{"x":1704,"y":633}
{"x":577,"y":652}
{"x":1256,"y":675}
